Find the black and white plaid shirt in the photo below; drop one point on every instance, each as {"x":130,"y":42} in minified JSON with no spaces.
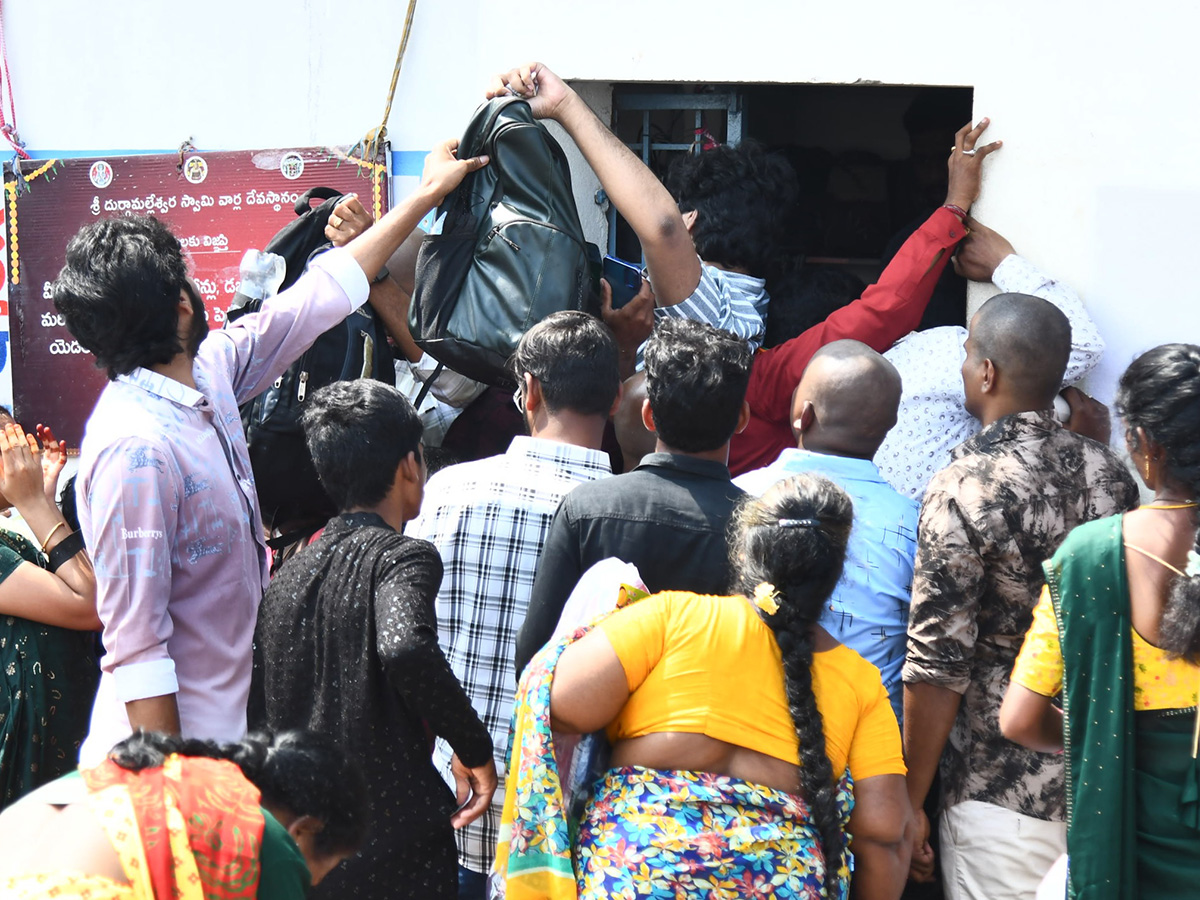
{"x":489,"y":520}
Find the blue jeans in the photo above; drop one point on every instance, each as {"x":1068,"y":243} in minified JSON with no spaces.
{"x":472,"y":885}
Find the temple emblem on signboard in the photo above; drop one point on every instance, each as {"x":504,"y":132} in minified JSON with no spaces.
{"x":101,"y":174}
{"x":195,"y":169}
{"x":291,"y":166}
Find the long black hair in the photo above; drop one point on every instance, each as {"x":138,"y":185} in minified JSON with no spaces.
{"x":303,"y":772}
{"x":1160,"y":393}
{"x":794,"y":538}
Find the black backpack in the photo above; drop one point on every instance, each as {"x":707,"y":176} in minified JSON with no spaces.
{"x":288,"y":489}
{"x":511,"y":250}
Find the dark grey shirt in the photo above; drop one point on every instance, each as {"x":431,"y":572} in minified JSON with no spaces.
{"x":668,"y":517}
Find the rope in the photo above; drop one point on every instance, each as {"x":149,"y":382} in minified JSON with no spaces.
{"x":374,"y":139}
{"x":8,"y":124}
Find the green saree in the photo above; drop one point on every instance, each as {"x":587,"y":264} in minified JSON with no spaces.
{"x":48,"y":679}
{"x":1133,"y":810}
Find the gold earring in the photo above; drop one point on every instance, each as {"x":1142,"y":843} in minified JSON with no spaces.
{"x":1147,"y":470}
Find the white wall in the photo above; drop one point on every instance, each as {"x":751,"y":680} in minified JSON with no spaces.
{"x":1097,"y":182}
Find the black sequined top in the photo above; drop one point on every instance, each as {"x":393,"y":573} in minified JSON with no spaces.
{"x":346,"y":644}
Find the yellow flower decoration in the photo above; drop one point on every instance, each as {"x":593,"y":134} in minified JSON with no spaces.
{"x":766,"y":598}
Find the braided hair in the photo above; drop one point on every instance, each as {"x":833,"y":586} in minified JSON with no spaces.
{"x":1160,"y":393}
{"x":303,"y":772}
{"x":794,"y":538}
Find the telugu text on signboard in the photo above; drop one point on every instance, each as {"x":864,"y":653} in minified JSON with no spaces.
{"x":217,"y":204}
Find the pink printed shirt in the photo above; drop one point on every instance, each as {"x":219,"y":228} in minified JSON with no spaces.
{"x":169,"y":512}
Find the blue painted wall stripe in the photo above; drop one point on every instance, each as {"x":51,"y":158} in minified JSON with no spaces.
{"x":404,"y":162}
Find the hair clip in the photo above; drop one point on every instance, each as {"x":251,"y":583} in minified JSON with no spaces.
{"x":766,"y":598}
{"x":799,"y":523}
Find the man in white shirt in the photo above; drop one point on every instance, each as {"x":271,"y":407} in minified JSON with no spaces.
{"x":933,"y":416}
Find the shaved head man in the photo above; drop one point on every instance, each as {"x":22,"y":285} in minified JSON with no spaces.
{"x":1017,"y":350}
{"x":846,"y":401}
{"x":841,"y":410}
{"x":1008,"y":498}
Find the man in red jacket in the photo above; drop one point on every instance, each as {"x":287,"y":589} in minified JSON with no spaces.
{"x":887,"y":311}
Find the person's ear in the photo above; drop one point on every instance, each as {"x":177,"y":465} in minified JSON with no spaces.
{"x":648,"y":417}
{"x":532,"y":394}
{"x":988,"y":385}
{"x":616,"y":404}
{"x":304,"y":831}
{"x":689,"y":219}
{"x":743,"y":417}
{"x":804,"y":421}
{"x":411,"y":469}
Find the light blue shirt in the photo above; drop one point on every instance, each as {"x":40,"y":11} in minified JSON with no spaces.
{"x":868,"y":610}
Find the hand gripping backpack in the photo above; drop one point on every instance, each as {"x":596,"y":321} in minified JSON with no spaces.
{"x":288,"y":489}
{"x":511,"y":250}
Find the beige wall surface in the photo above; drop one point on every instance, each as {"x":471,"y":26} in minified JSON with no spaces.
{"x":1097,"y":182}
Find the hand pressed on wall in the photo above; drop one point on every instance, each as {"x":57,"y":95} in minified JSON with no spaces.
{"x":980,"y":252}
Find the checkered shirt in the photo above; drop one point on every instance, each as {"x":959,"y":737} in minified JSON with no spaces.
{"x":489,"y":520}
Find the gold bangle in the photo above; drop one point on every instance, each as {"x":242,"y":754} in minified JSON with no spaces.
{"x":53,"y":531}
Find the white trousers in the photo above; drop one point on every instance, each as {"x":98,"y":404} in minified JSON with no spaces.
{"x":992,"y":853}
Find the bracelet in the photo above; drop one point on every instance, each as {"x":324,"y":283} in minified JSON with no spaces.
{"x":65,"y":549}
{"x":53,"y":531}
{"x":957,"y":210}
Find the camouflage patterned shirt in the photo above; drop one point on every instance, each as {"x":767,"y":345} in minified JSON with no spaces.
{"x":989,"y":519}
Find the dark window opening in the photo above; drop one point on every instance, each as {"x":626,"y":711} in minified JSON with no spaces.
{"x":870,"y":162}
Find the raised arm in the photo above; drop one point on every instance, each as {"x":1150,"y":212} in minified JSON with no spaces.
{"x":65,"y":594}
{"x":893,"y":306}
{"x":633,"y":189}
{"x":986,"y":255}
{"x":259,"y":347}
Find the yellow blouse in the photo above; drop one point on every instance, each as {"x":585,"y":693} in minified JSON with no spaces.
{"x":1159,"y":682}
{"x":710,"y":665}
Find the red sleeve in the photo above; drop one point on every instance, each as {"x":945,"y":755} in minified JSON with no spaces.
{"x":887,"y":310}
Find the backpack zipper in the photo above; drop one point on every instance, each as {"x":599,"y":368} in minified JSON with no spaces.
{"x":496,"y":229}
{"x":303,"y":389}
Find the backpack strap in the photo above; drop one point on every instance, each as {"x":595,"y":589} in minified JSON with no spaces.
{"x":428,"y":386}
{"x":304,"y":201}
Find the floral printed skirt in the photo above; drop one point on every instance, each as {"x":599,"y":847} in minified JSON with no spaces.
{"x":649,"y":833}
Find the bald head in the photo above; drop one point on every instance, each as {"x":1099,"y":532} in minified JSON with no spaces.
{"x":1028,"y":341}
{"x":846,"y":401}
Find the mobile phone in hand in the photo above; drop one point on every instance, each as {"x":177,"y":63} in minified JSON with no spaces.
{"x":625,"y":279}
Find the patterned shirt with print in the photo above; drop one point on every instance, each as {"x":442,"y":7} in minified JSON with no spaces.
{"x":1003,"y":505}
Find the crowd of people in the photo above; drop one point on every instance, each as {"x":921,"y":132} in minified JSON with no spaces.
{"x":864,"y":610}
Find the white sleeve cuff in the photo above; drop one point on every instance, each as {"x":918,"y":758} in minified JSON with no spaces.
{"x":1016,"y":275}
{"x":346,"y":271}
{"x":137,"y":681}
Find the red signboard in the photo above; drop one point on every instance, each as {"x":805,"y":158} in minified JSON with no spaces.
{"x":217,"y":204}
